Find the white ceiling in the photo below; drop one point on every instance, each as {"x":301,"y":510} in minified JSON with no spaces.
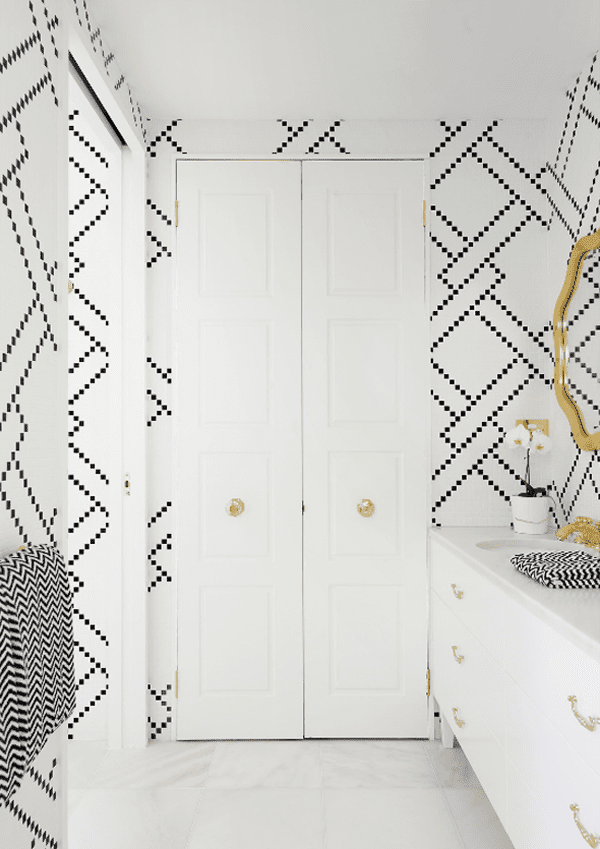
{"x":361,"y":59}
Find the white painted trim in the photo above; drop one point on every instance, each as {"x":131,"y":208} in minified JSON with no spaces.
{"x":127,"y":710}
{"x":62,"y":406}
{"x":427,"y":423}
{"x":102,"y":88}
{"x":133,"y":587}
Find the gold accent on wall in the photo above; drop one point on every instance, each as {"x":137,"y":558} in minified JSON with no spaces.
{"x":177,"y":213}
{"x":591,"y":723}
{"x":366,"y":507}
{"x":588,"y":532}
{"x":590,"y":838}
{"x":235,"y":507}
{"x":457,"y":593}
{"x":585,"y":440}
{"x":428,"y":683}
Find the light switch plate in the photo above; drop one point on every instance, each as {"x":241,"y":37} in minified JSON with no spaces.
{"x":535,"y":424}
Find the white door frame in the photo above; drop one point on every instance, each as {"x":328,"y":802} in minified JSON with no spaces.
{"x":422,"y":156}
{"x":128,"y":679}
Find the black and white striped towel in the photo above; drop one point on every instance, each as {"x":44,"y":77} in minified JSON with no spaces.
{"x":572,"y":570}
{"x":37,"y":675}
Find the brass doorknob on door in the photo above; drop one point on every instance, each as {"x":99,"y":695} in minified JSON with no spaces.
{"x":366,"y":507}
{"x":235,"y":507}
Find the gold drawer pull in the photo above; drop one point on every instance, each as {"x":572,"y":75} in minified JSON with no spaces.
{"x":457,"y":657}
{"x":457,"y":593}
{"x":590,"y":838}
{"x":459,"y":722}
{"x":589,"y":723}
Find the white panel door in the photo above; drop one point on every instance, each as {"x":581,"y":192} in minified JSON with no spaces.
{"x":239,"y":437}
{"x":365,"y":411}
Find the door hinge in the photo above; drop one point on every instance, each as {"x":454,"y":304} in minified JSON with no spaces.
{"x":303,"y":508}
{"x":177,"y":213}
{"x":428,"y":683}
{"x":424,"y":212}
{"x":127,"y":485}
{"x":176,"y":683}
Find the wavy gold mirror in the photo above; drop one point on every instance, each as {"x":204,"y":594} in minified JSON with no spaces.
{"x":585,"y":440}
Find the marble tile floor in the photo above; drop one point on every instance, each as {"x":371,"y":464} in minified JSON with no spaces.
{"x":305,"y":794}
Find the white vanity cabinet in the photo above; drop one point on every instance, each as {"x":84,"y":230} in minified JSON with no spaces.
{"x":505,"y":656}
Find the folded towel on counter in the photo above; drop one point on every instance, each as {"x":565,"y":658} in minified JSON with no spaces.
{"x":572,"y":570}
{"x":37,"y":673}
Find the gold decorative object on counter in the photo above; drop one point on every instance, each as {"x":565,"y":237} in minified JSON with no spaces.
{"x":235,"y":507}
{"x":366,"y":507}
{"x":585,"y":440}
{"x":591,"y":723}
{"x":590,"y":838}
{"x":587,"y":530}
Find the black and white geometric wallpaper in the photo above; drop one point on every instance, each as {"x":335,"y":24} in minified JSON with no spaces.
{"x":105,"y":59}
{"x":573,"y":189}
{"x":30,"y":440}
{"x":489,"y":318}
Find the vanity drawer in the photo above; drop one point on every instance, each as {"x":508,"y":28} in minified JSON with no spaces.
{"x":470,"y":596}
{"x":552,"y":770}
{"x":459,"y":656}
{"x":549,"y":669}
{"x":485,"y":754}
{"x":527,"y":823}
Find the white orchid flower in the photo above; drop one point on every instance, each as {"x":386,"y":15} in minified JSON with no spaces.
{"x":540,"y":443}
{"x":518,"y":437}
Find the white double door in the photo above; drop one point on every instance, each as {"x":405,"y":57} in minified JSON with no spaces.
{"x":301,"y":356}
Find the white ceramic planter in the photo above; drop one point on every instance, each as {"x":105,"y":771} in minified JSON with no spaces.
{"x":530,"y":515}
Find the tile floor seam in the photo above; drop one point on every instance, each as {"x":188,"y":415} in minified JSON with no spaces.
{"x":453,"y":818}
{"x":432,"y":767}
{"x":194,"y":818}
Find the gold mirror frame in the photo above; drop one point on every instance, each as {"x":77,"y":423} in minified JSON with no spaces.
{"x":585,"y":440}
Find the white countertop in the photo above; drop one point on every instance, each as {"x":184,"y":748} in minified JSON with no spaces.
{"x":574,"y":613}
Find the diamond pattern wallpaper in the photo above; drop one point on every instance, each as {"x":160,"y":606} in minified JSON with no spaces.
{"x":489,"y":344}
{"x":30,"y":454}
{"x":33,"y":59}
{"x":573,"y":189}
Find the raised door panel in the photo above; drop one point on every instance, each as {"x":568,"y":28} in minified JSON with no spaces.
{"x":365,"y":413}
{"x":238,"y":425}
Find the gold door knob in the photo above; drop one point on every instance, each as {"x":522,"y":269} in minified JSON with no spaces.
{"x":457,"y":657}
{"x":459,"y":722}
{"x":587,"y":836}
{"x":366,"y":507}
{"x":457,"y":593}
{"x":235,"y":507}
